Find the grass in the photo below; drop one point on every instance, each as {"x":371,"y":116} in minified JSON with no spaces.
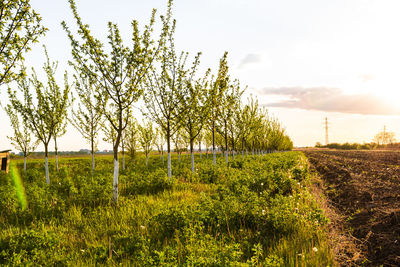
{"x":256,"y":212}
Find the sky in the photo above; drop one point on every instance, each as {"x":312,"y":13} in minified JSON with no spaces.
{"x":304,"y":60}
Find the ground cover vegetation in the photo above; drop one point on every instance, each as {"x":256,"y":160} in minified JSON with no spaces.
{"x":256,"y":211}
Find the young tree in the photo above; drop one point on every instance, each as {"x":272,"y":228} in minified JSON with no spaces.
{"x":22,"y":139}
{"x":118,"y":74}
{"x":229,"y":100}
{"x":216,"y":91}
{"x":197,"y":107}
{"x":244,"y":121}
{"x":166,"y":86}
{"x":61,"y":104}
{"x":87,"y":117}
{"x":44,"y":114}
{"x":147,"y":138}
{"x":19,"y":29}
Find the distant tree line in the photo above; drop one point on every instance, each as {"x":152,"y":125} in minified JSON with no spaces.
{"x":348,"y":146}
{"x":382,"y":139}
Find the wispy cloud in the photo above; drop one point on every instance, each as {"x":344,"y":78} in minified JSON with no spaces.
{"x":366,"y":77}
{"x":250,"y":59}
{"x":329,"y":99}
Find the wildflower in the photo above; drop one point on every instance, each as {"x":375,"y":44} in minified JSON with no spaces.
{"x":82,"y":250}
{"x":315,"y":249}
{"x":262,"y":184}
{"x":263,"y":212}
{"x":142,"y":227}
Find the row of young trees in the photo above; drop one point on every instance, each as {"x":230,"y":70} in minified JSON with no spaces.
{"x":188,"y":108}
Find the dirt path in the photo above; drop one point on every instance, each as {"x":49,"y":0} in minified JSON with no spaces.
{"x":363,"y":190}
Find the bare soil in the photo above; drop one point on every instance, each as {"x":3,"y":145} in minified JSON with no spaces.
{"x":362,"y":189}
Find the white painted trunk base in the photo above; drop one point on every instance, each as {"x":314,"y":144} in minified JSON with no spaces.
{"x":24,"y":163}
{"x":214,"y":157}
{"x":115,"y":181}
{"x":169,"y":166}
{"x":93,"y":164}
{"x":46,"y":167}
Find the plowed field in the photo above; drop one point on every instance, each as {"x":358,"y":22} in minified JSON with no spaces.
{"x":363,"y":191}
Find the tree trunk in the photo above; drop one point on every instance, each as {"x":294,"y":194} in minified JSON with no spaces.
{"x":147,"y":158}
{"x":213,"y":144}
{"x":24,"y":162}
{"x":93,"y":164}
{"x":226,"y":153}
{"x":92,"y":152}
{"x":169,"y":155}
{"x":192,"y":155}
{"x":46,"y":162}
{"x":226,"y":143}
{"x":56,"y":150}
{"x":116,"y":166}
{"x":115,"y":178}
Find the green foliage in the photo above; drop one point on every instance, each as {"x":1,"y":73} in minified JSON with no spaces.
{"x":19,"y":29}
{"x":256,"y":211}
{"x":348,"y":146}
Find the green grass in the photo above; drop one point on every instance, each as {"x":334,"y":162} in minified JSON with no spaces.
{"x":256,"y":212}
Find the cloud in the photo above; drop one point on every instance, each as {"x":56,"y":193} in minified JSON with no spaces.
{"x":330,"y":100}
{"x":250,"y":59}
{"x":366,"y":77}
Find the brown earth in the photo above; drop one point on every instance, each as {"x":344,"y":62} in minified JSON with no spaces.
{"x":362,"y":190}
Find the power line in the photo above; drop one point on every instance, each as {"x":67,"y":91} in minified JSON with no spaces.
{"x":326,"y":131}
